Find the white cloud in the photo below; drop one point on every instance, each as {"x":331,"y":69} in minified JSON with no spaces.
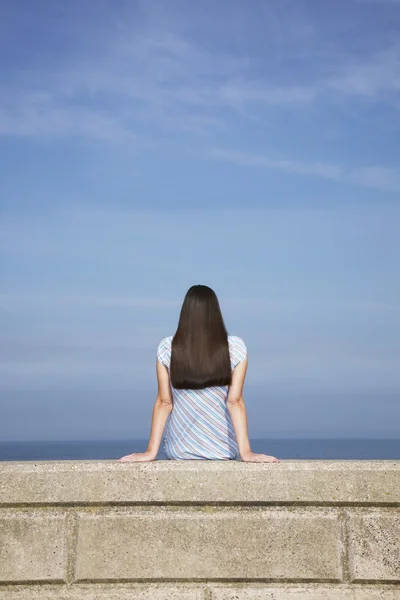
{"x":383,"y":178}
{"x":288,"y":166}
{"x":31,"y":113}
{"x":368,"y":77}
{"x":152,"y":72}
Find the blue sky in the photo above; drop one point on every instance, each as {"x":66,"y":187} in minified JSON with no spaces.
{"x":250,"y":146}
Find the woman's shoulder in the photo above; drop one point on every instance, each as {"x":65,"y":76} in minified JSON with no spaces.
{"x":235,"y":340}
{"x":237,"y":349}
{"x":165,"y":342}
{"x":164,"y":350}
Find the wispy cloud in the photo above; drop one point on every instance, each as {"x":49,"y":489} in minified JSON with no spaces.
{"x":154,"y":73}
{"x":383,"y":178}
{"x":288,"y":166}
{"x":45,"y":115}
{"x":369,"y":78}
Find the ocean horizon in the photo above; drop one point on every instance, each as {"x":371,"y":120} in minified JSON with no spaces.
{"x":317,"y":449}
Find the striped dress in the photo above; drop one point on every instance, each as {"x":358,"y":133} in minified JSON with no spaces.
{"x":200,"y":426}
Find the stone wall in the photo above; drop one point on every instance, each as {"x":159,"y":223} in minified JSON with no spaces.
{"x":200,"y":530}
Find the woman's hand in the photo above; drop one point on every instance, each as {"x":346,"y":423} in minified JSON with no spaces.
{"x":138,"y":457}
{"x":253,"y":457}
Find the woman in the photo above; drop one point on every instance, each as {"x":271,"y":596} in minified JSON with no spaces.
{"x":201,"y":372}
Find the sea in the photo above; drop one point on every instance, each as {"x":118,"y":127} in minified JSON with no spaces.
{"x":317,"y":449}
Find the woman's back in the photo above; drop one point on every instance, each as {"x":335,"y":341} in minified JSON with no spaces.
{"x":199,"y":426}
{"x":199,"y":412}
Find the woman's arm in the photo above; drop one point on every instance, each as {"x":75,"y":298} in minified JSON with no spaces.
{"x":161,"y":411}
{"x":237,"y":410}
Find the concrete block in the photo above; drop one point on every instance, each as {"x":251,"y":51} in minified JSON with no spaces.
{"x":374,"y":544}
{"x":304,"y":592}
{"x":32,"y":547}
{"x":208,"y":542}
{"x":162,"y":591}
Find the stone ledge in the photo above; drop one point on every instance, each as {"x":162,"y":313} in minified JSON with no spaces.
{"x":319,"y":482}
{"x":165,"y":591}
{"x":202,"y":530}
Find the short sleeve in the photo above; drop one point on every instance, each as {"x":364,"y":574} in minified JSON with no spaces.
{"x":164,"y":352}
{"x":238,"y":351}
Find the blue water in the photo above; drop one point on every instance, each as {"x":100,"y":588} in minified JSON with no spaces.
{"x":344,"y":449}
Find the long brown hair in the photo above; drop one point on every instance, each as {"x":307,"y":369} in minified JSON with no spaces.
{"x":200,"y":351}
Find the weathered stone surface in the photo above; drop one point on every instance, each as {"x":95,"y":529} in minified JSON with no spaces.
{"x":32,"y":547}
{"x":305,"y":592}
{"x":317,"y":481}
{"x":209,"y":542}
{"x":374,"y":545}
{"x":106,"y":592}
{"x":209,"y":530}
{"x":167,"y":591}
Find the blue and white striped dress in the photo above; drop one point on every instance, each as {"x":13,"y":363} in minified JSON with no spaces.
{"x":200,"y":426}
